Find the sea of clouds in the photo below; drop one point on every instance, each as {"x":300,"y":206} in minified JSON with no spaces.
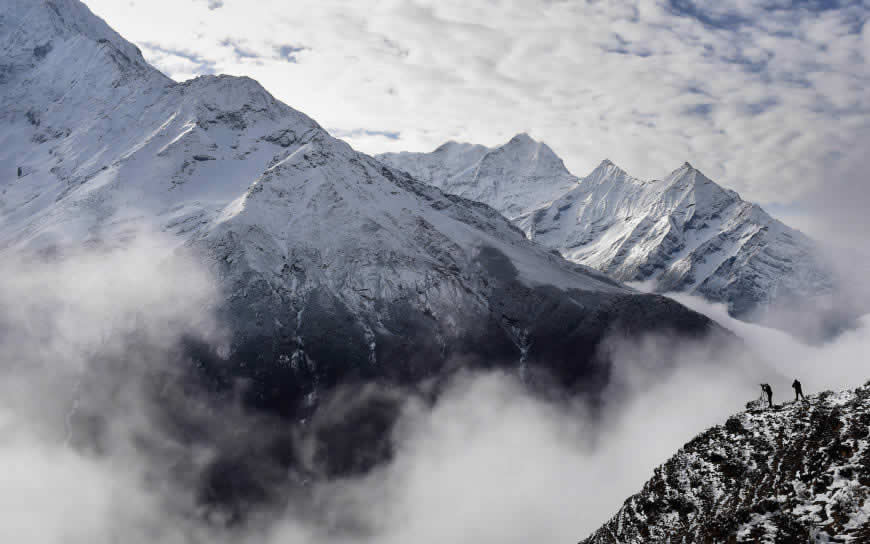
{"x":488,"y":461}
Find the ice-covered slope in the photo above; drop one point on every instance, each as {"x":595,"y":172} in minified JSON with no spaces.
{"x":334,"y":266}
{"x":684,"y":231}
{"x":795,"y":473}
{"x":514,"y":178}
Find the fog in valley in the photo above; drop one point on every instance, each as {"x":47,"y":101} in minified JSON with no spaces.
{"x":103,"y":437}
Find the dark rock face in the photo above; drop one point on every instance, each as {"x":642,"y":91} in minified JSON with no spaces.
{"x":40,"y":51}
{"x":333,"y":379}
{"x":796,"y":473}
{"x":201,"y":437}
{"x":290,"y":348}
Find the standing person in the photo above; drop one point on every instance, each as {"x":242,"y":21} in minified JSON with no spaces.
{"x":765,"y":389}
{"x":798,"y":392}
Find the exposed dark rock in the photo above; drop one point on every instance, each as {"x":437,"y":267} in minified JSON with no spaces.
{"x":41,"y":51}
{"x":790,"y":475}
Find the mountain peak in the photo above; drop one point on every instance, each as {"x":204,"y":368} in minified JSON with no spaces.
{"x":706,"y":192}
{"x":688,"y":172}
{"x":607,"y":169}
{"x":518,"y":175}
{"x":38,"y":24}
{"x":234,"y":93}
{"x":533,"y":150}
{"x":446,"y":146}
{"x":609,"y":164}
{"x":460,"y":148}
{"x":529,"y":160}
{"x":522,"y":138}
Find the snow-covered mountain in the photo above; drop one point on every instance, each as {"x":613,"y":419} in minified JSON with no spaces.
{"x":794,"y":473}
{"x":334,"y":266}
{"x":685,"y":232}
{"x":519,"y":176}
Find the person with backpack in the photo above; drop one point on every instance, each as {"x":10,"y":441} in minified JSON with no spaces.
{"x":766,"y":390}
{"x":798,"y":392}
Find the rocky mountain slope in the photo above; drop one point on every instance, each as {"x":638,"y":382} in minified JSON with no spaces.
{"x":334,"y":267}
{"x":795,"y":473}
{"x":684,"y":232}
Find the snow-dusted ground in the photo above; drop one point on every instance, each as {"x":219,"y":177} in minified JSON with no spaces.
{"x":684,"y":232}
{"x":799,"y":472}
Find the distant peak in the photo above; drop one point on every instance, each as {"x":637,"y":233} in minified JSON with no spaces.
{"x":522,"y":138}
{"x":689,"y":176}
{"x":685,"y":169}
{"x":41,"y":28}
{"x":608,"y":165}
{"x":445,"y":146}
{"x":227,"y":88}
{"x":227,"y":81}
{"x":74,"y":16}
{"x":454,"y":148}
{"x":606,"y":172}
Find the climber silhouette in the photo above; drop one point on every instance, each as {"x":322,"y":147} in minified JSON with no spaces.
{"x":765,"y":389}
{"x":798,"y":392}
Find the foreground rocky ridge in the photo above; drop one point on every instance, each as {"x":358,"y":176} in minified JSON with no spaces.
{"x":799,"y":472}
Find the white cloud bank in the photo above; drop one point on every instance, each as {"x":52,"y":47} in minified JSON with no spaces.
{"x":769,"y":97}
{"x":487,"y":463}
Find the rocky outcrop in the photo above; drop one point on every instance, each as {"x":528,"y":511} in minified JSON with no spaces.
{"x":799,"y":472}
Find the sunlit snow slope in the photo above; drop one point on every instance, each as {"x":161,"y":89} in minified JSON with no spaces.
{"x":685,"y":232}
{"x":334,"y":266}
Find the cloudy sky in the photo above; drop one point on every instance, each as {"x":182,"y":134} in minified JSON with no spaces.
{"x":768,"y":97}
